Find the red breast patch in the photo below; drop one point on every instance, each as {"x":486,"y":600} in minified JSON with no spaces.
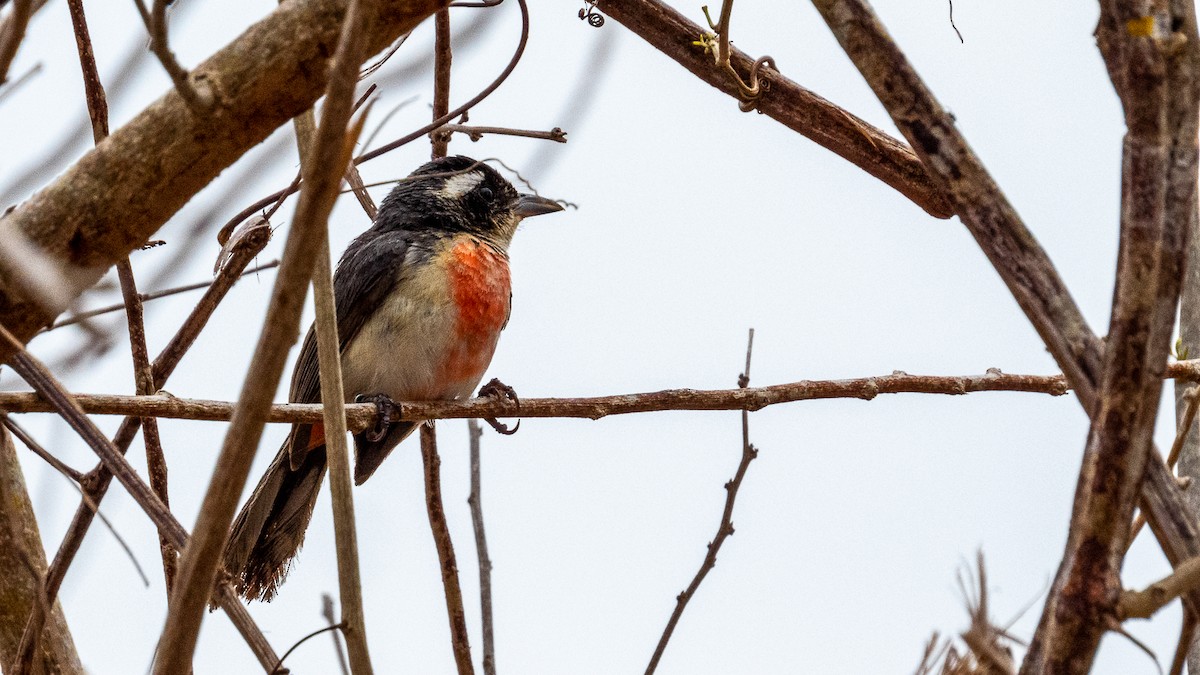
{"x":482,"y":289}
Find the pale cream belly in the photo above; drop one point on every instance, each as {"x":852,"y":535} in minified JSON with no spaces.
{"x":413,"y":348}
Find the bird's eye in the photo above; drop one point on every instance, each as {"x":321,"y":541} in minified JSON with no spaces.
{"x":486,"y":194}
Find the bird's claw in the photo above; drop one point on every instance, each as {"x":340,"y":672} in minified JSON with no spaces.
{"x":500,"y":391}
{"x":386,"y":411}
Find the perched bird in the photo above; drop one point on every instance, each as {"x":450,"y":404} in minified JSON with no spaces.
{"x":421,"y":299}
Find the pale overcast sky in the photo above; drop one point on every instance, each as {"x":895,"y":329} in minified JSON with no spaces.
{"x":695,"y":222}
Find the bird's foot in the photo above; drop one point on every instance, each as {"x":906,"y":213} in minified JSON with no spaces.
{"x":387,"y":411}
{"x":500,"y":391}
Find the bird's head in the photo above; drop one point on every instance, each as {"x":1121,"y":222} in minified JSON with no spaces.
{"x":460,"y":194}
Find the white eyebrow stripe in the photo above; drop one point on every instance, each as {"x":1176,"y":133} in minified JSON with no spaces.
{"x":458,"y":186}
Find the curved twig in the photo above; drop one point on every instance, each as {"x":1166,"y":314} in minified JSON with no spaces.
{"x":487,"y":91}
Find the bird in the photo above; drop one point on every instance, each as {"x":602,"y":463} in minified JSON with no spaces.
{"x":422,"y":296}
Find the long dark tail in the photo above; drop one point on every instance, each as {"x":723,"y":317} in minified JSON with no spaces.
{"x":269,"y":531}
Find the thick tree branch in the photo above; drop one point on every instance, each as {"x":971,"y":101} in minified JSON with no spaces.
{"x":1019,"y":259}
{"x":99,"y":210}
{"x":23,"y":560}
{"x":1156,"y":81}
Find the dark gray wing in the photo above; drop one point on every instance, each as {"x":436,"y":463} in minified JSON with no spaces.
{"x":366,"y":275}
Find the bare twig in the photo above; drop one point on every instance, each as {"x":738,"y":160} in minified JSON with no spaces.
{"x":96,"y":482}
{"x":475,"y":501}
{"x":156,"y":461}
{"x":333,"y":399}
{"x":146,"y":297}
{"x":156,"y":22}
{"x":353,"y":621}
{"x":327,"y":629}
{"x":797,"y":108}
{"x":983,"y":639}
{"x":724,"y":529}
{"x":359,"y":189}
{"x":477,"y":132}
{"x":1145,"y":603}
{"x":512,"y":64}
{"x":445,"y":550}
{"x":36,"y":374}
{"x":97,"y":105}
{"x":440,"y":142}
{"x":442,"y":58}
{"x":360,"y":416}
{"x":327,"y":613}
{"x":97,"y":102}
{"x":1181,"y":435}
{"x":322,"y":176}
{"x":13,"y":85}
{"x":12,"y":32}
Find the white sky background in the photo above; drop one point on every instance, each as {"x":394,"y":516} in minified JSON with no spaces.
{"x":696,"y":222}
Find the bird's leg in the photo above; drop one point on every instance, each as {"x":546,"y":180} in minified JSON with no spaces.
{"x":386,"y":411}
{"x":498,"y":390}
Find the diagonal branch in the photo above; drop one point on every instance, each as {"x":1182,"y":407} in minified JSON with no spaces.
{"x":156,"y":22}
{"x":797,"y":108}
{"x":96,"y":212}
{"x":1031,"y":277}
{"x":1158,"y":89}
{"x":36,"y":374}
{"x":12,"y":32}
{"x":96,"y":483}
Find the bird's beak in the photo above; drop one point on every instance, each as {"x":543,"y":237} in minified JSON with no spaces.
{"x":533,"y":205}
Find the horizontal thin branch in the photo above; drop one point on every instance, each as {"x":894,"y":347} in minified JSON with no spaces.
{"x":146,"y":297}
{"x":476,"y":132}
{"x":359,"y":416}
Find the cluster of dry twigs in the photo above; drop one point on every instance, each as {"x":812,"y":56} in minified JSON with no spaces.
{"x":50,"y":251}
